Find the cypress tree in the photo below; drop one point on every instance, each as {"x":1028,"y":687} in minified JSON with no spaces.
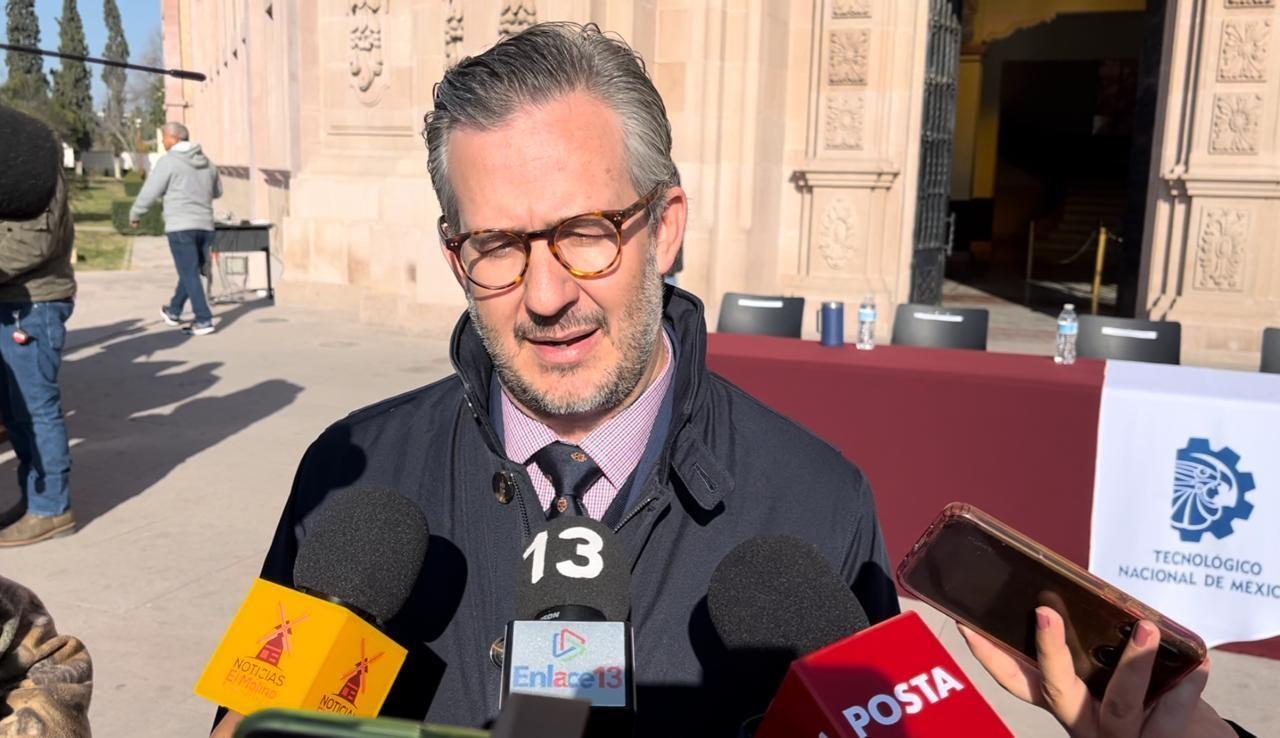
{"x":114,"y":77}
{"x":72,"y":95}
{"x":117,"y":50}
{"x":26,"y":82}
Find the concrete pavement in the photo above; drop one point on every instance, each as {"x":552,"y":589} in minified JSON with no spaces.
{"x":184,"y":450}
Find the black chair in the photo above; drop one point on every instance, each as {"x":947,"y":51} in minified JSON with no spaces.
{"x":1271,"y":351}
{"x":930,"y":325}
{"x":1156,"y":342}
{"x":761,"y":315}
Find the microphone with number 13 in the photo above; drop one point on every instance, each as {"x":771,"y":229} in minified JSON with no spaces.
{"x":572,"y":638}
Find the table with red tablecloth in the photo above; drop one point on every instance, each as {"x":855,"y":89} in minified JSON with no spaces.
{"x":1013,"y":434}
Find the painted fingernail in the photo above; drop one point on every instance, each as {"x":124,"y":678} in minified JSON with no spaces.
{"x":1143,"y":634}
{"x":1042,"y":620}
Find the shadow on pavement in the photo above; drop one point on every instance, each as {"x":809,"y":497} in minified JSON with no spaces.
{"x":124,"y":449}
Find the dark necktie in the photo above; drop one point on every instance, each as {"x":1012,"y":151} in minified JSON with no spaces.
{"x":571,"y":472}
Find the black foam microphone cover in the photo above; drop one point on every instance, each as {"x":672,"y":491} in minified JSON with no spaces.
{"x":779,"y":594}
{"x":363,"y":547}
{"x":572,"y":547}
{"x":29,"y":160}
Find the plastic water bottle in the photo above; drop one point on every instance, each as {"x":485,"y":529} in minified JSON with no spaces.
{"x":1065,"y":351}
{"x":867,"y":323}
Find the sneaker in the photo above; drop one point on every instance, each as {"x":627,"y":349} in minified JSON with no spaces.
{"x":199,"y":329}
{"x":35,"y":528}
{"x":169,"y":318}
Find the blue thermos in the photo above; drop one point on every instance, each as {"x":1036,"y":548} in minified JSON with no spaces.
{"x":831,"y":323}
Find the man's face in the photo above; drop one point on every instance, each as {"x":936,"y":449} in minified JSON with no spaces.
{"x":564,"y":346}
{"x":169,"y":140}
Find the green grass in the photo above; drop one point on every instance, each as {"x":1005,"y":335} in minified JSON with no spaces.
{"x":102,"y":250}
{"x":91,"y":198}
{"x":98,"y":250}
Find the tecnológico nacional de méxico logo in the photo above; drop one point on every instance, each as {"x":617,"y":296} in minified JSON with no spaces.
{"x":1209,"y":491}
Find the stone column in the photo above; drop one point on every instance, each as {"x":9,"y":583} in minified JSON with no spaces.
{"x":1210,"y":260}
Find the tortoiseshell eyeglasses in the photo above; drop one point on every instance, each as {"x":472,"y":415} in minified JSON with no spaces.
{"x":587,"y":245}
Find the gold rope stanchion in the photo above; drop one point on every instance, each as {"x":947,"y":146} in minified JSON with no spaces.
{"x":1097,"y":268}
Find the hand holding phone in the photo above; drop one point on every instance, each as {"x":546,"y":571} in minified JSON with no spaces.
{"x":993,"y":578}
{"x":1056,"y":688}
{"x":1053,"y":635}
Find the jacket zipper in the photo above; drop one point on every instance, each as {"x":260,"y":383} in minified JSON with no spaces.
{"x":634,"y":512}
{"x":524,"y":513}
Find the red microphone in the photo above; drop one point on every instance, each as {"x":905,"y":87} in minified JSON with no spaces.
{"x":892,"y":679}
{"x":773,"y":599}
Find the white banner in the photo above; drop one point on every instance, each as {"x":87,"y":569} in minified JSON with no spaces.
{"x":1186,"y":502}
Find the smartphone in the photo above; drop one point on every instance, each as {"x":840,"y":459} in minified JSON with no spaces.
{"x":991,"y":578}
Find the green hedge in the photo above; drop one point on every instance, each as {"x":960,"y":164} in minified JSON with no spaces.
{"x":133,"y":183}
{"x":152,"y":223}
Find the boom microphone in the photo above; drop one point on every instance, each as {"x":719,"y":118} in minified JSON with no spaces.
{"x":29,"y":165}
{"x":778,"y":595}
{"x":319,"y":647}
{"x":177,"y":73}
{"x":573,"y":597}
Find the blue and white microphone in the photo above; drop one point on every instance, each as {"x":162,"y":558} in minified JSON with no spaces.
{"x":573,"y":640}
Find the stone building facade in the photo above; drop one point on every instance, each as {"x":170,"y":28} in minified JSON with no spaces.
{"x":797,"y":128}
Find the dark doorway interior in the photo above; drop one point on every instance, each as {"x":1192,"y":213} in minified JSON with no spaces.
{"x":1065,"y":93}
{"x":1065,"y":132}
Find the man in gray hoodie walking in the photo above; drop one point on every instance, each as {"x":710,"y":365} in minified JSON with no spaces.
{"x":189,"y":184}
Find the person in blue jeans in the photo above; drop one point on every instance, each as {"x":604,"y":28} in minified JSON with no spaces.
{"x":189,"y":184}
{"x":37,"y":284}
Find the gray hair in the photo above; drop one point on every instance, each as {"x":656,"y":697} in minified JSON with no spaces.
{"x":543,"y":63}
{"x":177,"y":130}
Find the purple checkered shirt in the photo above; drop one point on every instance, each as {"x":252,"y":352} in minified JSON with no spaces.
{"x":616,"y":446}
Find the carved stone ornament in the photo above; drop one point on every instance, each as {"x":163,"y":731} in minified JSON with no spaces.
{"x":1249,"y":3}
{"x":849,"y":53}
{"x":843,"y":129}
{"x":365,"y":53}
{"x":836,"y":241}
{"x":1220,"y":253}
{"x":851,"y":9}
{"x":1244,"y":51}
{"x":1236,"y":120}
{"x":452,"y":33}
{"x":516,"y":16}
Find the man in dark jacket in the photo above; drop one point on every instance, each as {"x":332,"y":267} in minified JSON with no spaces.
{"x":37,"y":284}
{"x":571,"y":342}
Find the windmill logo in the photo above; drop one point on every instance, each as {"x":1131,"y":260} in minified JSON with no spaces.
{"x":277,"y":642}
{"x":353,"y":681}
{"x":567,"y":645}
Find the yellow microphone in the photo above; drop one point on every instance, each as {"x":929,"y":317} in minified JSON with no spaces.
{"x":320,"y":646}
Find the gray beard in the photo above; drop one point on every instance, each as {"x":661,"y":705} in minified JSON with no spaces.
{"x":636,"y":343}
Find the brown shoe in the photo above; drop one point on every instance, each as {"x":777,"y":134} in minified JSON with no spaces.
{"x":35,"y":528}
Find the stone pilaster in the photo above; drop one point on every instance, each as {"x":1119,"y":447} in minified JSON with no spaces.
{"x":856,"y":180}
{"x":1211,"y":260}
